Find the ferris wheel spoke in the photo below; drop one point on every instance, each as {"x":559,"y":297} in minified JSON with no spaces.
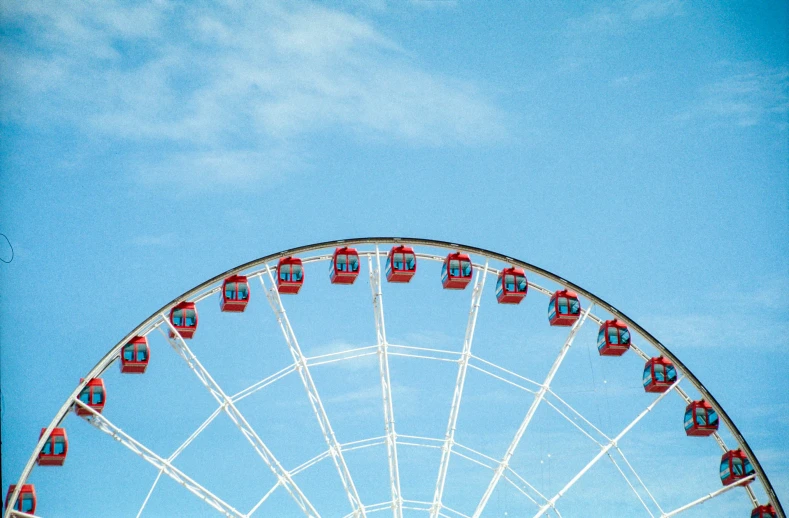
{"x":386,"y":387}
{"x":530,"y":413}
{"x":275,"y":301}
{"x":150,"y":492}
{"x":630,"y":484}
{"x":709,"y":496}
{"x":635,"y":473}
{"x":454,"y":412}
{"x":238,"y":419}
{"x":612,"y":443}
{"x":104,"y":424}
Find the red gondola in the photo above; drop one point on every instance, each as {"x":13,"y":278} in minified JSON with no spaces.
{"x":659,"y":374}
{"x":135,"y":355}
{"x":701,"y":420}
{"x":55,"y":449}
{"x":400,"y":264}
{"x":94,"y":395}
{"x":183,"y":317}
{"x":235,"y":294}
{"x":26,"y":501}
{"x":613,"y":338}
{"x":735,"y":466}
{"x":290,"y":275}
{"x":564,"y":308}
{"x":344,"y":266}
{"x":511,"y":286}
{"x":764,"y":511}
{"x":456,"y":272}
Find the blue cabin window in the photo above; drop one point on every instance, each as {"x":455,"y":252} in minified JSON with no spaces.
{"x":128,"y":352}
{"x":465,"y":268}
{"x":601,"y":338}
{"x":243,"y":291}
{"x":178,"y":317}
{"x":509,"y":283}
{"x":563,"y":307}
{"x":84,"y":396}
{"x":191,"y":318}
{"x":47,"y":449}
{"x":613,"y":335}
{"x":724,"y":469}
{"x":60,"y":445}
{"x":98,"y":395}
{"x":230,"y":291}
{"x":551,"y":309}
{"x":454,"y":268}
{"x":647,"y":375}
{"x":142,"y":352}
{"x":575,"y":307}
{"x":27,"y":503}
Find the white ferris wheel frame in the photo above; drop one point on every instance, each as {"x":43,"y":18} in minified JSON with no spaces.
{"x":262,"y":269}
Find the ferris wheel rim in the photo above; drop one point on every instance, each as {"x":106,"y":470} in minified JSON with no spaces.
{"x":191,"y":294}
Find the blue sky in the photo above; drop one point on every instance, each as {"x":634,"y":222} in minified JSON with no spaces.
{"x":637,"y":148}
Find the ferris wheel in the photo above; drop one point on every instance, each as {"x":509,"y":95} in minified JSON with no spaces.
{"x":462,"y":399}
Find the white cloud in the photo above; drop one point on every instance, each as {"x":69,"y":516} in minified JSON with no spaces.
{"x":624,"y":15}
{"x":749,"y":94}
{"x":229,"y":84}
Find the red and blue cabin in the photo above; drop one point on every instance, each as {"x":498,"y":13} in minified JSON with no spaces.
{"x":55,"y":449}
{"x":94,"y":395}
{"x":764,"y":511}
{"x":735,"y":466}
{"x":400,"y":264}
{"x":564,"y":308}
{"x":701,"y":420}
{"x":456,"y":272}
{"x":290,"y":275}
{"x":183,"y":317}
{"x":344,"y":267}
{"x":235,"y":294}
{"x":613,"y":339}
{"x":511,"y":286}
{"x":659,"y":374}
{"x":135,"y":355}
{"x":26,"y":501}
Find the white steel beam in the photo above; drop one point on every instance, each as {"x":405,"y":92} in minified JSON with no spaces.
{"x":603,"y":452}
{"x":275,"y":301}
{"x":449,"y":440}
{"x":240,"y":421}
{"x":386,"y":386}
{"x":103,"y":424}
{"x":502,"y":467}
{"x":708,"y":496}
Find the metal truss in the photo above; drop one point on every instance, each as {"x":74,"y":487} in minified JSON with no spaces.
{"x":612,"y":443}
{"x":530,"y":414}
{"x":386,"y":385}
{"x":446,"y":450}
{"x":238,"y":419}
{"x":312,"y":393}
{"x":163,"y":465}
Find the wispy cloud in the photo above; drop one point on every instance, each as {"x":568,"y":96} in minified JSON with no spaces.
{"x":624,"y":15}
{"x":226,"y":86}
{"x":747,"y":95}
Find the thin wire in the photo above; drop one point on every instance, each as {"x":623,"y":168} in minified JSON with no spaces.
{"x":12,"y":249}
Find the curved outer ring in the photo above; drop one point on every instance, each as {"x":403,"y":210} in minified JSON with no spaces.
{"x":109,"y":358}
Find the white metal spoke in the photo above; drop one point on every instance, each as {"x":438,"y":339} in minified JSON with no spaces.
{"x":150,"y":492}
{"x":709,"y":496}
{"x":312,"y":393}
{"x":263,"y":383}
{"x":386,"y":387}
{"x":239,"y":420}
{"x":602,"y":452}
{"x":530,"y":413}
{"x":630,"y":484}
{"x":446,"y":451}
{"x":103,"y":424}
{"x":265,"y":497}
{"x":622,"y":454}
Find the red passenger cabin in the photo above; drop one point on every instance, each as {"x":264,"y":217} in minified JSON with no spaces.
{"x":183,"y":317}
{"x":456,"y":272}
{"x":564,"y":308}
{"x":290,"y":275}
{"x":55,"y":449}
{"x":735,"y":466}
{"x":93,"y":395}
{"x":400,"y":264}
{"x":613,"y":338}
{"x":235,"y":294}
{"x":701,"y":420}
{"x":764,"y":511}
{"x":135,"y":356}
{"x":26,"y":501}
{"x":344,"y":266}
{"x":659,"y":374}
{"x":511,"y":286}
